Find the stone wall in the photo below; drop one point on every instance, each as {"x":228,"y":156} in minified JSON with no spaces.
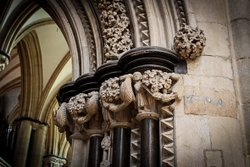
{"x":240,"y":28}
{"x":208,"y":131}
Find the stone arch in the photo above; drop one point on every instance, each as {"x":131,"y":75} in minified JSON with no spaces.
{"x":30,"y":55}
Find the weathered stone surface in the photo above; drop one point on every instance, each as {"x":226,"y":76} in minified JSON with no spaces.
{"x":214,"y":158}
{"x":208,"y":140}
{"x":214,"y":11}
{"x":242,"y":34}
{"x":211,"y":66}
{"x":217,"y":39}
{"x":192,"y":137}
{"x":206,"y":101}
{"x":246,"y":123}
{"x":234,"y":5}
{"x":244,"y":79}
{"x":225,"y":135}
{"x":216,"y":83}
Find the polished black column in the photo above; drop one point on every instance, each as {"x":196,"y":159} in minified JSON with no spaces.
{"x":121,"y":147}
{"x":95,"y":151}
{"x":150,"y":143}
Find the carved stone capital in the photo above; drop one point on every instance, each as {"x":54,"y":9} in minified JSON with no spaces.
{"x":116,"y":96}
{"x":77,"y":108}
{"x":85,"y":112}
{"x":151,"y":87}
{"x":189,"y":42}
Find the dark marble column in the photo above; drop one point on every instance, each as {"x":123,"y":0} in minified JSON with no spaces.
{"x":150,"y":143}
{"x":121,"y":147}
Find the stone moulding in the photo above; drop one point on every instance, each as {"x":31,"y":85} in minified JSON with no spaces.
{"x":142,"y":20}
{"x":138,"y":59}
{"x":181,"y":12}
{"x":89,"y":33}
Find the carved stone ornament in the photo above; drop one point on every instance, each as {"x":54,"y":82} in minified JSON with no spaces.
{"x":115,"y":28}
{"x":106,"y":146}
{"x":84,"y":110}
{"x":60,"y":117}
{"x":105,"y":163}
{"x":106,"y":143}
{"x":55,"y":160}
{"x":189,"y":42}
{"x":116,"y":95}
{"x":152,"y":86}
{"x":110,"y":90}
{"x":77,"y":108}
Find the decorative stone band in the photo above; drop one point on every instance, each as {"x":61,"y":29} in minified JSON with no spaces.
{"x":138,"y":59}
{"x":144,"y":115}
{"x":189,"y":42}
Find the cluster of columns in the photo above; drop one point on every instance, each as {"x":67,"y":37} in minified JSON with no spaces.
{"x":30,"y":142}
{"x":100,"y":109}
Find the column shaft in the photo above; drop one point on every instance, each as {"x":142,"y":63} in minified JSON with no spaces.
{"x":79,"y":153}
{"x":95,"y":151}
{"x":38,"y":146}
{"x":150,"y":143}
{"x":22,"y":144}
{"x":121,"y":147}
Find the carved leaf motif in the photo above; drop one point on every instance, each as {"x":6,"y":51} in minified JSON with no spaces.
{"x":189,"y":42}
{"x":91,"y":108}
{"x":156,"y":81}
{"x":110,"y":90}
{"x":76,"y":106}
{"x":115,"y":28}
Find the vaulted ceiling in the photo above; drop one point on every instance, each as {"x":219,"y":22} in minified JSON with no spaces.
{"x":50,"y":59}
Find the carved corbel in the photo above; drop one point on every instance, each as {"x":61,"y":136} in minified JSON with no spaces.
{"x":189,"y":42}
{"x":61,"y":119}
{"x":85,"y":113}
{"x":152,"y":87}
{"x":76,"y":107}
{"x":116,"y":96}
